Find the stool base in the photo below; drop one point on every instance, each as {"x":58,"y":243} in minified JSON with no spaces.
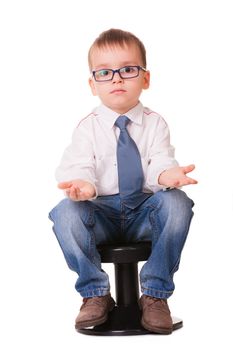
{"x":124,"y":320}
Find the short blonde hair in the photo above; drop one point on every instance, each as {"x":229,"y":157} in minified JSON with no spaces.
{"x":117,"y":37}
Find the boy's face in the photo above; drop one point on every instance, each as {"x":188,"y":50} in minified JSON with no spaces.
{"x":118,"y":94}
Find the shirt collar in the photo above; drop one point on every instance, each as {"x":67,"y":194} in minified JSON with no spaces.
{"x":108,"y":116}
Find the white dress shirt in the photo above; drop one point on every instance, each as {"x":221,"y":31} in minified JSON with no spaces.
{"x":92,"y":154}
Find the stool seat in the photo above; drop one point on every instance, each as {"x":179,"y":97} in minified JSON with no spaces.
{"x":125,"y":318}
{"x":124,"y":252}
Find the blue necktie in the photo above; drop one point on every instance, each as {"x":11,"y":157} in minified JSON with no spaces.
{"x":130,"y":173}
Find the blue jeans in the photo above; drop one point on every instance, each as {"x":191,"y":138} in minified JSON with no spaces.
{"x":164,"y":219}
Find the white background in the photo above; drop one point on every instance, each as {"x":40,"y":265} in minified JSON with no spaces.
{"x":44,"y":92}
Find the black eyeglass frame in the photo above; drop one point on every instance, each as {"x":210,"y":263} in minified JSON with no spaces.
{"x":117,"y":71}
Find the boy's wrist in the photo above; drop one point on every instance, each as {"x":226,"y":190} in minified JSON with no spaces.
{"x":96,"y":192}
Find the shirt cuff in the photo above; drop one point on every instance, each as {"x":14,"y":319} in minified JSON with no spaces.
{"x":96,"y":192}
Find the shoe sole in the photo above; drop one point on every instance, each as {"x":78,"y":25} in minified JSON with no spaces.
{"x":94,"y":323}
{"x":156,"y":329}
{"x":91,"y":324}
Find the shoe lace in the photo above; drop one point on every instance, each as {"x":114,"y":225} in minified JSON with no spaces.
{"x":92,"y":301}
{"x":155,"y":302}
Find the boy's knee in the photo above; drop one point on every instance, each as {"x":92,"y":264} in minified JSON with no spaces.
{"x":69,"y":212}
{"x":179,"y":198}
{"x":175,"y":211}
{"x":176,"y":202}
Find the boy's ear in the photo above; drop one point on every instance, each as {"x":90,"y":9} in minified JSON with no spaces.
{"x":146,"y":80}
{"x":92,"y":86}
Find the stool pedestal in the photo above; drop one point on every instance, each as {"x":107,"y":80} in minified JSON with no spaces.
{"x":125,"y":318}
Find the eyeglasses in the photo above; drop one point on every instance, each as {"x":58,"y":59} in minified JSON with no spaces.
{"x":126,"y":72}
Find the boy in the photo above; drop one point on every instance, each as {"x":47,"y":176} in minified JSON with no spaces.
{"x":121,"y":180}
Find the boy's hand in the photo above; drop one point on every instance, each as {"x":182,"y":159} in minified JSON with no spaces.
{"x":78,"y":190}
{"x":176,"y":177}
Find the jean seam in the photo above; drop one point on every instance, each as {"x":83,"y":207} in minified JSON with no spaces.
{"x":153,"y":218}
{"x":155,"y":292}
{"x":90,"y":220}
{"x":122,"y":219}
{"x":94,"y":292}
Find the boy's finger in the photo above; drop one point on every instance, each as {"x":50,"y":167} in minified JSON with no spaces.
{"x":190,"y":181}
{"x":193,"y":181}
{"x":77,"y":188}
{"x":64,"y":185}
{"x":188,"y":168}
{"x":73,"y":194}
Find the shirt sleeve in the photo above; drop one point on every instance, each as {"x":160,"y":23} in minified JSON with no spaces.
{"x":161,"y":156}
{"x":78,"y":160}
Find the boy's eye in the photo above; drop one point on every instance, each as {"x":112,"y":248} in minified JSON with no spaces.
{"x":128,"y":69}
{"x":103,"y":73}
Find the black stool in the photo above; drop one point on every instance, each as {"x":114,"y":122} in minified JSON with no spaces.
{"x":125,"y":318}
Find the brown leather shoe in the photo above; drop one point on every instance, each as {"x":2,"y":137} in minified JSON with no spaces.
{"x":94,"y":311}
{"x":155,"y":315}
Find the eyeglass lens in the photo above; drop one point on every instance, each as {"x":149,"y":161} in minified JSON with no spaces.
{"x":124,"y":72}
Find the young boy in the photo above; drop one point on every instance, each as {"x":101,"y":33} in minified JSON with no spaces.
{"x":121,"y":181}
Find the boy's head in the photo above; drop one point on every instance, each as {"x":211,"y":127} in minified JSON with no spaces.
{"x":114,"y":50}
{"x":117,"y":37}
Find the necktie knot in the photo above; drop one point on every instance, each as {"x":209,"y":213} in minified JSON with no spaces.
{"x":122,"y":122}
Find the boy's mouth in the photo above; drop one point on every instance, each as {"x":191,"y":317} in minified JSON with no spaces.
{"x":118,"y":91}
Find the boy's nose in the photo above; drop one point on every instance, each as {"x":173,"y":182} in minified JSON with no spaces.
{"x":116,"y":78}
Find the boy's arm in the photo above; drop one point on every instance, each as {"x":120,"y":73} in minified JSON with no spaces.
{"x":163,"y":169}
{"x":76,"y":172}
